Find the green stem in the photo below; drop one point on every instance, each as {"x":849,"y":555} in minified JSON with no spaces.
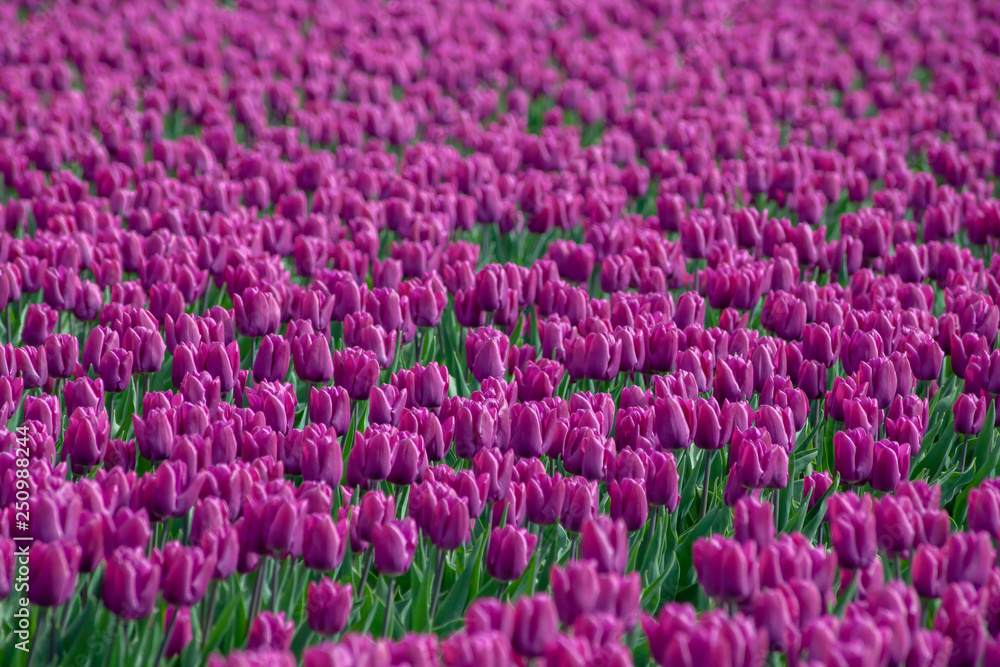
{"x":257,"y":590}
{"x":209,"y":616}
{"x":438,"y":576}
{"x":363,"y":581}
{"x":387,"y":620}
{"x":31,"y":649}
{"x":275,"y":584}
{"x":706,"y":481}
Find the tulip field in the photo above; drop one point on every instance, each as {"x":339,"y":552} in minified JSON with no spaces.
{"x":476,"y":333}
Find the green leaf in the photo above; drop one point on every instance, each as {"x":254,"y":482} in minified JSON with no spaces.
{"x":814,"y":517}
{"x":454,"y":603}
{"x":223,"y":624}
{"x":420,"y":621}
{"x":803,"y":460}
{"x":933,"y":452}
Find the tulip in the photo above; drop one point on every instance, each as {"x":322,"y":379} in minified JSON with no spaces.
{"x":960,"y":618}
{"x":39,"y":323}
{"x":62,"y":353}
{"x":385,"y":404}
{"x":969,"y":413}
{"x":759,"y":464}
{"x":969,"y":557}
{"x":674,"y":422}
{"x":270,"y":631}
{"x":272,"y":359}
{"x":535,"y":624}
{"x":891,"y":464}
{"x":509,"y":552}
{"x":545,"y":497}
{"x":46,"y":411}
{"x":186,"y":573}
{"x":275,"y":526}
{"x":486,"y":353}
{"x":606,"y":541}
{"x":324,"y":542}
{"x":475,"y":428}
{"x":628,"y":502}
{"x":821,"y":344}
{"x":450,"y":524}
{"x":328,"y":606}
{"x":430,"y":385}
{"x":84,"y":393}
{"x":395,"y":543}
{"x":87,"y":436}
{"x":984,"y":508}
{"x":773,"y":615}
{"x":726,"y":569}
{"x":34,"y":367}
{"x":753,"y":521}
{"x":852,"y":530}
{"x":707,"y":425}
{"x":733,"y":379}
{"x":597,"y":357}
{"x":662,"y":481}
{"x":575,"y":589}
{"x":312,"y":358}
{"x":853,"y":455}
{"x":490,"y":615}
{"x":895,"y":525}
{"x":131,"y":584}
{"x":221,"y":362}
{"x":154,"y":435}
{"x":147,"y":348}
{"x":257,"y":312}
{"x":468,"y":649}
{"x":52,"y":572}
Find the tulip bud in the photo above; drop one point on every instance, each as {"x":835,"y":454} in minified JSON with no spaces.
{"x":726,"y":569}
{"x":606,"y":541}
{"x":852,"y":530}
{"x":509,"y":553}
{"x":131,"y":584}
{"x":395,"y":543}
{"x":535,"y":624}
{"x":328,"y":606}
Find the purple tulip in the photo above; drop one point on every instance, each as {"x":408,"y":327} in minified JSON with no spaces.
{"x":628,"y":503}
{"x":852,"y":530}
{"x":510,"y":551}
{"x":186,"y":574}
{"x":753,"y":521}
{"x":606,"y":541}
{"x":270,"y":631}
{"x":535,"y":624}
{"x":52,"y":572}
{"x":312,"y":358}
{"x":328,"y":606}
{"x":131,"y":584}
{"x":272,"y":360}
{"x":324,"y":542}
{"x":674,"y":422}
{"x":853,"y":455}
{"x":395,"y":543}
{"x":726,"y":569}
